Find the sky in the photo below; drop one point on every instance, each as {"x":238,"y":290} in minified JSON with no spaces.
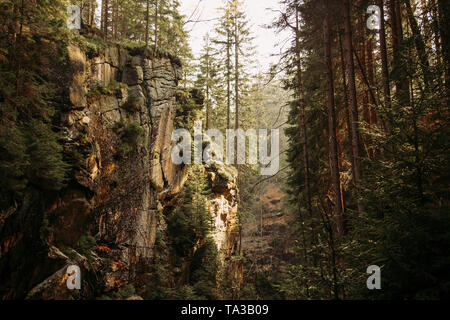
{"x":265,"y":39}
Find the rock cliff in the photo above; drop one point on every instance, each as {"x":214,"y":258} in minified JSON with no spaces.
{"x":118,"y":110}
{"x":226,"y":233}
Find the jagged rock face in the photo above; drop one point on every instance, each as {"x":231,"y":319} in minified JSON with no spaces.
{"x":224,"y":211}
{"x":224,"y":208}
{"x":116,"y":198}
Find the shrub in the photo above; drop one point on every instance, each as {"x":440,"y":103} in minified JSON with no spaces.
{"x":47,"y":167}
{"x":133,"y":103}
{"x":131,"y":136}
{"x":86,"y":243}
{"x":204,"y":267}
{"x":126,"y":291}
{"x":97,"y":88}
{"x":186,"y":292}
{"x":13,"y":159}
{"x":115,"y":85}
{"x":91,"y":44}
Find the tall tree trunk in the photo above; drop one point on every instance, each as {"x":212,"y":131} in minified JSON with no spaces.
{"x":436,"y":33}
{"x":347,"y":106}
{"x":208,"y":109}
{"x":420,"y":45}
{"x":91,"y":10}
{"x":399,"y":75}
{"x":156,"y":23}
{"x":87,"y":14}
{"x":304,"y":138}
{"x":384,"y":60}
{"x":370,"y":71}
{"x":352,"y":95}
{"x":332,"y":126}
{"x":444,"y":28}
{"x":106,"y":17}
{"x":116,"y":19}
{"x":373,"y":102}
{"x":18,"y":45}
{"x":102,"y":16}
{"x":365,"y":92}
{"x":236,"y":81}
{"x":208,"y":103}
{"x":228,"y":63}
{"x":123,"y":23}
{"x":113,"y":19}
{"x":301,"y":102}
{"x":368,"y":76}
{"x":147,"y":23}
{"x":371,"y":79}
{"x":236,"y":73}
{"x":93,"y":7}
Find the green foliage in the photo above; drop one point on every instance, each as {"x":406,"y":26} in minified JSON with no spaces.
{"x":14,"y":159}
{"x":115,"y":86}
{"x":86,"y":243}
{"x":92,"y":45}
{"x":97,"y":88}
{"x":204,"y":269}
{"x":126,"y":291}
{"x":232,"y":43}
{"x":208,"y":80}
{"x":190,"y":221}
{"x":133,"y":103}
{"x":131,"y":136}
{"x":47,"y":166}
{"x":189,"y":107}
{"x":406,"y":227}
{"x":187,"y":243}
{"x":29,"y":143}
{"x":31,"y":153}
{"x":127,"y":27}
{"x":248,"y":292}
{"x":158,"y":277}
{"x":403,"y":227}
{"x":185,"y":292}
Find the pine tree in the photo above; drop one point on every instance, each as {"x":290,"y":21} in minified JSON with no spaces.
{"x":30,"y":151}
{"x":208,"y":81}
{"x":224,"y":41}
{"x":191,"y":219}
{"x":243,"y":50}
{"x":334,"y":166}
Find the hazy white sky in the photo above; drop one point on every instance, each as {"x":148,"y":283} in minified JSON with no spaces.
{"x":265,"y":41}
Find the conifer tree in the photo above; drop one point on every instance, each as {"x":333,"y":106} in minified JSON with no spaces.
{"x":208,"y":81}
{"x":224,"y":41}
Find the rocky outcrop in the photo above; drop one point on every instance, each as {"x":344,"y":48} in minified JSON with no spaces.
{"x":224,"y":208}
{"x":224,"y":212}
{"x":117,"y":120}
{"x":118,"y":108}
